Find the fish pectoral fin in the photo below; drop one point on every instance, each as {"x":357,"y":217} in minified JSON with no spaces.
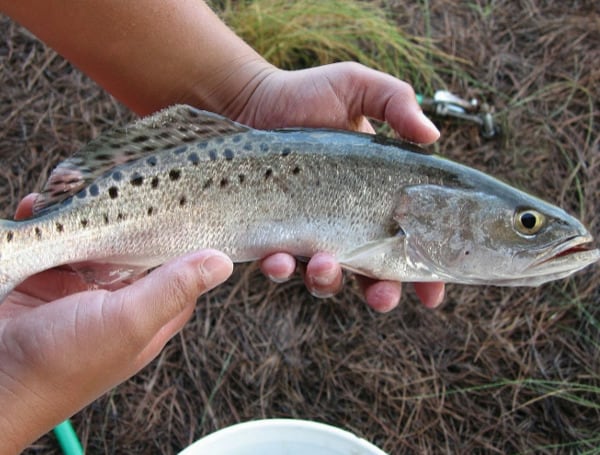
{"x":373,"y":259}
{"x":163,"y":130}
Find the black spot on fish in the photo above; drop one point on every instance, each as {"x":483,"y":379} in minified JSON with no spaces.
{"x":241,"y":178}
{"x":212,"y":155}
{"x":180,"y":150}
{"x":94,"y":190}
{"x":286,"y":151}
{"x":104,"y":156}
{"x":81,"y":194}
{"x":114,"y":145}
{"x":120,"y":216}
{"x":228,"y":154}
{"x":84,"y":222}
{"x":130,"y":153}
{"x":192,"y":113}
{"x":296,"y":170}
{"x":9,"y":236}
{"x":71,"y":181}
{"x":224,"y":182}
{"x":182,"y":129}
{"x":268,"y":173}
{"x":154,"y":182}
{"x":136,"y":179}
{"x":264,"y":147}
{"x":164,"y":135}
{"x":219,"y":140}
{"x":188,"y":138}
{"x":182,"y":201}
{"x":59,"y":227}
{"x":151,"y":161}
{"x":105,"y":217}
{"x":117,"y":176}
{"x":141,"y":138}
{"x":237,"y":138}
{"x":150,"y":211}
{"x":207,"y":184}
{"x":113,"y":192}
{"x":38,"y":232}
{"x":193,"y":158}
{"x":202,"y":145}
{"x":248,"y":146}
{"x":149,"y":148}
{"x":174,"y":174}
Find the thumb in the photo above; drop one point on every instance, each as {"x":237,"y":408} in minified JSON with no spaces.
{"x":151,"y":310}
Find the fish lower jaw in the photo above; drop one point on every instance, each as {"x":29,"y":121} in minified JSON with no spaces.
{"x":576,"y":250}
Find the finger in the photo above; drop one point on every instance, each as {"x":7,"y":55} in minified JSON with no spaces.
{"x":383,"y":97}
{"x":323,"y":275}
{"x":278,"y":267}
{"x":431,"y":294}
{"x":25,"y":207}
{"x":382,"y":296}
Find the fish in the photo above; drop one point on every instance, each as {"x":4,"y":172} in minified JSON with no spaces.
{"x":185,"y":179}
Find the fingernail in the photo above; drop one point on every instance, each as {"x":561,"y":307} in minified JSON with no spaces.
{"x":320,"y":285}
{"x":429,"y":124}
{"x":278,"y":279}
{"x":325,"y":278}
{"x":439,"y":299}
{"x":216,"y":268}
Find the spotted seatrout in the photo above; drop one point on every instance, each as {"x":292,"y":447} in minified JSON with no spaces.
{"x":185,"y":179}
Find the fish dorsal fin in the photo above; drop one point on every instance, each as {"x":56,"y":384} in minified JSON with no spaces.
{"x":164,"y":130}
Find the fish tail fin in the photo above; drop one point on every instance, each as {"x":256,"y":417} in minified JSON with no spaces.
{"x":9,"y":277}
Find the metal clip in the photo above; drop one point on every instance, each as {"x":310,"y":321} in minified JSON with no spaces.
{"x":446,"y":104}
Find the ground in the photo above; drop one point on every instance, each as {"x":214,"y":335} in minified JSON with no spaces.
{"x":494,"y":370}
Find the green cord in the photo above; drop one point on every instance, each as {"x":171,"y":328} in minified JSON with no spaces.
{"x":67,"y":438}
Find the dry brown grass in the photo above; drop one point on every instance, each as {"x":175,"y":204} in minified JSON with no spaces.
{"x":494,"y":370}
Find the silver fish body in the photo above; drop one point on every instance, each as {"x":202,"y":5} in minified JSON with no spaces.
{"x":184,"y":179}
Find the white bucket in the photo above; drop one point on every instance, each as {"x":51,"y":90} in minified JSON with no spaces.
{"x":282,"y":437}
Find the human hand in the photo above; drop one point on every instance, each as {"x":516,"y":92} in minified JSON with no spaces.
{"x":59,"y":353}
{"x":339,"y":96}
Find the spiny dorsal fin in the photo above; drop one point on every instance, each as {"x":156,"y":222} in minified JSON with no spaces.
{"x":161,"y":131}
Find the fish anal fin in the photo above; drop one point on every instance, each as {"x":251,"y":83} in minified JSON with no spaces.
{"x":164,"y":130}
{"x":106,"y":273}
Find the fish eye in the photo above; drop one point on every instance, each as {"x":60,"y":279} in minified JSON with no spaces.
{"x":529,"y":222}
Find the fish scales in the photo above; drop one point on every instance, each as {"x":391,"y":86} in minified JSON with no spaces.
{"x":184,"y":179}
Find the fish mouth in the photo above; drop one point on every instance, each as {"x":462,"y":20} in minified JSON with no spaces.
{"x":576,"y":251}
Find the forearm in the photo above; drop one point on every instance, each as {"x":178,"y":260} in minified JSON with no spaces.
{"x":149,"y":54}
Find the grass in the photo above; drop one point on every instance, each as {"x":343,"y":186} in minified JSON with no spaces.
{"x":306,"y":33}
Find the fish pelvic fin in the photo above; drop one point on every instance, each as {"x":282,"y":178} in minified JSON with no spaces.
{"x":161,"y":131}
{"x":373,"y":258}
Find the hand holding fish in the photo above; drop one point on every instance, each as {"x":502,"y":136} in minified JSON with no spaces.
{"x":340,"y":96}
{"x":72,"y":349}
